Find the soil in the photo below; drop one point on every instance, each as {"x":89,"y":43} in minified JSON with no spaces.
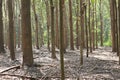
{"x":102,"y":64}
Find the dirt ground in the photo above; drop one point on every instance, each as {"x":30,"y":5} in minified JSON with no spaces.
{"x":102,"y":64}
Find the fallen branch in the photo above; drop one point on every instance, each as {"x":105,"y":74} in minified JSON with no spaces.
{"x":36,"y":57}
{"x":7,"y":69}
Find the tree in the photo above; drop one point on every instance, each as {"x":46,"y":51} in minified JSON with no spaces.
{"x":61,"y":3}
{"x":113,"y":25}
{"x":52,"y":30}
{"x":48,"y":24}
{"x":2,"y":50}
{"x":65,"y":27}
{"x":119,"y":28}
{"x":26,"y":33}
{"x":81,"y":32}
{"x":19,"y":23}
{"x":101,"y":24}
{"x":77,"y":25}
{"x":116,"y":26}
{"x":90,"y":39}
{"x":86,"y":26}
{"x":36,"y":24}
{"x":96,"y":31}
{"x":71,"y":26}
{"x":57,"y":21}
{"x":11,"y":30}
{"x":93,"y":29}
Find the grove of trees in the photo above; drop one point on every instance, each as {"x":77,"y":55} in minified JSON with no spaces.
{"x":59,"y":25}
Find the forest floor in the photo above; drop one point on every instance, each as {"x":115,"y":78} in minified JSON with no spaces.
{"x":102,"y":64}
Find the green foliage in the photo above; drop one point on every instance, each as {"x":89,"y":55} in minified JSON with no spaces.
{"x":108,"y":43}
{"x":92,"y":1}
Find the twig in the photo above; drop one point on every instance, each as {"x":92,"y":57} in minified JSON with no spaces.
{"x":7,"y":69}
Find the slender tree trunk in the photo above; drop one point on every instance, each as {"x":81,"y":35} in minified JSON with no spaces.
{"x":61,"y":3}
{"x":81,"y":32}
{"x":26,"y":33}
{"x":15,"y":20}
{"x":52,"y":30}
{"x":90,"y":39}
{"x":2,"y":50}
{"x":96,"y":31}
{"x":119,"y":28}
{"x":48,"y":24}
{"x":36,"y":24}
{"x":71,"y":26}
{"x":4,"y":23}
{"x":112,"y":13}
{"x":11,"y":30}
{"x":93,"y":29}
{"x":77,"y":25}
{"x":101,"y":24}
{"x":57,"y":30}
{"x":116,"y":26}
{"x":19,"y":24}
{"x":65,"y":27}
{"x":86,"y":30}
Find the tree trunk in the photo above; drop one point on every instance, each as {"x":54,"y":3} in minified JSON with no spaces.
{"x":65,"y":28}
{"x":26,"y":33}
{"x":48,"y":24}
{"x":36,"y":24}
{"x":119,"y":28}
{"x":116,"y":26}
{"x":52,"y":30}
{"x":90,"y":39}
{"x":77,"y":26}
{"x":15,"y":21}
{"x":96,"y":31}
{"x":61,"y":3}
{"x":2,"y":50}
{"x":112,"y":13}
{"x":57,"y":30}
{"x":81,"y":32}
{"x":86,"y":30}
{"x":19,"y":24}
{"x":71,"y":26}
{"x":93,"y":29}
{"x":101,"y":24}
{"x":11,"y":30}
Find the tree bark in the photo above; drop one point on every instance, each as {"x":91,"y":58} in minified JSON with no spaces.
{"x":52,"y":30}
{"x":11,"y":30}
{"x":81,"y":32}
{"x":96,"y":31}
{"x":119,"y":28}
{"x":101,"y":24}
{"x":86,"y":30}
{"x":2,"y":50}
{"x":36,"y":24}
{"x":19,"y":24}
{"x":93,"y":28}
{"x":57,"y":30}
{"x":26,"y":33}
{"x":61,"y":3}
{"x":77,"y":26}
{"x":113,"y":34}
{"x":90,"y":37}
{"x":71,"y":26}
{"x":48,"y":24}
